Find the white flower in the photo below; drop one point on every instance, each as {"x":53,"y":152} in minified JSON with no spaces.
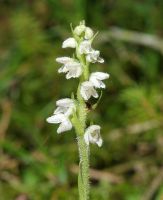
{"x":88,"y":33}
{"x":97,"y":77}
{"x":64,"y":109}
{"x":65,"y":106}
{"x":73,"y":70}
{"x":87,"y":90}
{"x":70,"y":42}
{"x":79,"y":29}
{"x":65,"y":124}
{"x":94,"y":56}
{"x":92,"y":135}
{"x":85,"y":47}
{"x":70,"y":66}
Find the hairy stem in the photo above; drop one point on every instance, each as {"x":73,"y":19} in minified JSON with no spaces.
{"x":79,"y":122}
{"x":83,"y":179}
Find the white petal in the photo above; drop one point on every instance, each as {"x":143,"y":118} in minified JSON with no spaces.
{"x":79,"y":29}
{"x":56,"y":119}
{"x":97,"y":77}
{"x":95,"y":81}
{"x":64,"y":60}
{"x":69,"y":111}
{"x":93,"y":56}
{"x":88,"y":33}
{"x":85,"y":47}
{"x":66,"y":106}
{"x":62,"y":69}
{"x":99,"y":142}
{"x":100,"y":60}
{"x":70,"y":42}
{"x":93,"y":128}
{"x":59,"y":110}
{"x":92,"y":135}
{"x":86,"y":138}
{"x":64,"y":126}
{"x":66,"y":102}
{"x":94,"y":93}
{"x":74,"y":70}
{"x":87,"y":90}
{"x":84,"y":94}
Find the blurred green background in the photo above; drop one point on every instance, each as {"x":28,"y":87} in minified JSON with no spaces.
{"x":38,"y":164}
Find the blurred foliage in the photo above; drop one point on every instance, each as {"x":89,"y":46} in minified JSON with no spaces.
{"x":35,"y":162}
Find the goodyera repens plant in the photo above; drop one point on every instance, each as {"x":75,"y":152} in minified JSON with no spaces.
{"x":72,"y":112}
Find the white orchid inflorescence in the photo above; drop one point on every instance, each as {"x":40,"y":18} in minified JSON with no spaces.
{"x":74,"y":68}
{"x":73,"y":112}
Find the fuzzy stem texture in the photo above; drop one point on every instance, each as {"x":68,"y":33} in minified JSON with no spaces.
{"x":80,"y":125}
{"x":83,"y":152}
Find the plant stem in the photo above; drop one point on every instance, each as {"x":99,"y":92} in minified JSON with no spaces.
{"x":83,"y":179}
{"x":79,"y":121}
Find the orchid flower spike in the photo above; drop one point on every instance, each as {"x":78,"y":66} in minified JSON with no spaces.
{"x":72,"y":112}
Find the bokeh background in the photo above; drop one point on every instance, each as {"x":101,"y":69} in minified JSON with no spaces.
{"x":38,"y":164}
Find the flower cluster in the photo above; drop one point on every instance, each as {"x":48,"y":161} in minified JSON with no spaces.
{"x":78,"y":67}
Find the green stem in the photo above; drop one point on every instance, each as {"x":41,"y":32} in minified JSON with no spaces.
{"x":79,"y":122}
{"x":83,"y":179}
{"x":83,"y":150}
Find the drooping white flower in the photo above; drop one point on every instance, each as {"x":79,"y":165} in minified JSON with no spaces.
{"x":92,"y":135}
{"x":85,"y":47}
{"x":87,"y":90}
{"x":79,"y":29}
{"x":88,"y":33}
{"x":70,"y":42}
{"x":65,"y":124}
{"x":94,"y":56}
{"x":65,"y":106}
{"x":70,"y":66}
{"x":97,"y":77}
